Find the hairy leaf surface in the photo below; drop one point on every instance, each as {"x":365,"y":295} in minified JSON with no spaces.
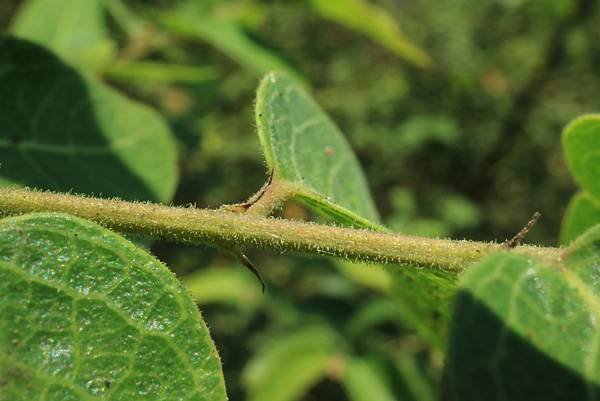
{"x":306,"y":149}
{"x":85,"y":315}
{"x":62,"y":131}
{"x":528,"y":330}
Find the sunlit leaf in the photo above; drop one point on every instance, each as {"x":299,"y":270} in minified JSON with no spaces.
{"x":375,"y":277}
{"x":224,"y":285}
{"x":75,"y":30}
{"x":419,"y":384}
{"x":63,"y":131}
{"x":582,"y":213}
{"x":307,"y":150}
{"x":525,"y":329}
{"x":85,"y":315}
{"x":374,"y":22}
{"x":363,"y":382}
{"x":226,"y":36}
{"x":581,"y":144}
{"x":288,"y":365}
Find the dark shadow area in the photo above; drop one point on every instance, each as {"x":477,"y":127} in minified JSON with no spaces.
{"x":477,"y":369}
{"x":49,"y":134}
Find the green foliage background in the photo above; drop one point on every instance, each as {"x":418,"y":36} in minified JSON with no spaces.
{"x":466,"y":147}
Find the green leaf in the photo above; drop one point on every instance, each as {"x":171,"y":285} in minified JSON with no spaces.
{"x":420,"y":384}
{"x":63,"y":131}
{"x":363,"y":381}
{"x":132,"y":24}
{"x":145,"y":71}
{"x":308,"y":151}
{"x":423,"y":298}
{"x":374,"y":22}
{"x":370,"y":314}
{"x":582,"y":213}
{"x":289,"y":365}
{"x":85,"y":315}
{"x":376,"y":277}
{"x":581,"y":144}
{"x":228,"y":37}
{"x":224,"y":285}
{"x":74,"y":29}
{"x":525,"y":329}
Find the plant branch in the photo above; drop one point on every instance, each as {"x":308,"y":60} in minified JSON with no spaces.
{"x":240,"y":230}
{"x":270,"y":197}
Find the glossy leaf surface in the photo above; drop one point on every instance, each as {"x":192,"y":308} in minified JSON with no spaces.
{"x":86,"y":315}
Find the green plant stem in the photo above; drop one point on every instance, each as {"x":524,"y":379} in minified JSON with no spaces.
{"x":236,"y":230}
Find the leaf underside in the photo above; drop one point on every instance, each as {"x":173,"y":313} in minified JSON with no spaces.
{"x":85,"y":315}
{"x":307,"y":150}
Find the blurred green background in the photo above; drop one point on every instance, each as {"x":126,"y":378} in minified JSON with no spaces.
{"x":454,"y":108}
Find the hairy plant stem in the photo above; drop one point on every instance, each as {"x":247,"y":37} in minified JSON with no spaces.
{"x":237,"y":231}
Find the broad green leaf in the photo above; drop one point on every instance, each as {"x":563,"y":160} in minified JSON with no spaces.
{"x":524,"y":329}
{"x":307,"y":150}
{"x":63,"y":131}
{"x":581,"y":144}
{"x":226,"y":36}
{"x":289,"y":365}
{"x":86,"y":315}
{"x":74,"y":29}
{"x":363,"y":382}
{"x":374,"y":22}
{"x":582,"y":213}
